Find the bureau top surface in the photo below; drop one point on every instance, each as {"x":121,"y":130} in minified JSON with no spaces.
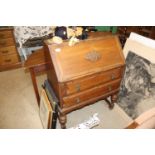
{"x":86,"y":57}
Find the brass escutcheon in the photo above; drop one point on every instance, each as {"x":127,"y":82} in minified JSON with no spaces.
{"x":112,"y":76}
{"x":77,"y":87}
{"x":110,"y":88}
{"x":93,"y":56}
{"x":77,"y":100}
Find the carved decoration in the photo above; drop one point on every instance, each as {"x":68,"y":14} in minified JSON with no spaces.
{"x":93,"y":56}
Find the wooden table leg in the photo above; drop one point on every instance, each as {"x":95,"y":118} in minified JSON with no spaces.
{"x":33,"y":77}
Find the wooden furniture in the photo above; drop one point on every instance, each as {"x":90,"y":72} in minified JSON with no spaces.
{"x":147,"y":31}
{"x":133,"y":125}
{"x":9,"y":57}
{"x":36,"y":64}
{"x":84,"y":73}
{"x":146,"y":120}
{"x":124,"y":32}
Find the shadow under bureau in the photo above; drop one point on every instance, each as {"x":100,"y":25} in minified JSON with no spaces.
{"x":82,"y":74}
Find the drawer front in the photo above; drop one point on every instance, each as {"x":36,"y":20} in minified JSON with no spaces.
{"x":8,"y":50}
{"x":91,"y":93}
{"x":9,"y":59}
{"x":92,"y":81}
{"x":6,"y":42}
{"x":5,"y":34}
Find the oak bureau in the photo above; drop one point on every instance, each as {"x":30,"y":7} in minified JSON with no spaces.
{"x":82,"y":74}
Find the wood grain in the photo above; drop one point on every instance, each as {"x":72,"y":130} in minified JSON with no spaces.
{"x":9,"y":57}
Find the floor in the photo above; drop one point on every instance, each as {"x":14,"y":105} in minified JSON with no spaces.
{"x":19,"y":110}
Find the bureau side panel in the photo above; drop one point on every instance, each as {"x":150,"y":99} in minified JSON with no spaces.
{"x":50,"y":72}
{"x":51,"y":76}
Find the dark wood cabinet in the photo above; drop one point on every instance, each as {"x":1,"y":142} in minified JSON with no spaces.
{"x":82,"y":74}
{"x":124,"y":32}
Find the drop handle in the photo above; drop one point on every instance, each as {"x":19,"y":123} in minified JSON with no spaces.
{"x":112,"y":76}
{"x":109,"y":88}
{"x":78,"y":87}
{"x":77,"y":100}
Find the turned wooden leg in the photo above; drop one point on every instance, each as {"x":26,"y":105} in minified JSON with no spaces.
{"x":63,"y":120}
{"x":111,"y":105}
{"x":113,"y":100}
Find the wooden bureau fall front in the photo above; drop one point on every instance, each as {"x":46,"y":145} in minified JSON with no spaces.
{"x":82,"y":74}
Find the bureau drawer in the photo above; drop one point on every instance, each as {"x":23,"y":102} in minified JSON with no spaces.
{"x":95,"y":92}
{"x":6,"y":42}
{"x":5,"y":34}
{"x":93,"y":80}
{"x":9,"y":59}
{"x":7,"y":50}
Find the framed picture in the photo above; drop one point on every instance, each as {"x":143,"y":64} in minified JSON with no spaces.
{"x":45,"y":110}
{"x":53,"y":101}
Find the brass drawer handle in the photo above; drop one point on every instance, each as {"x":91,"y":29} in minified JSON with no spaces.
{"x":78,"y":87}
{"x":8,"y":60}
{"x":77,"y":100}
{"x":4,"y":52}
{"x":109,"y":88}
{"x":112,"y":76}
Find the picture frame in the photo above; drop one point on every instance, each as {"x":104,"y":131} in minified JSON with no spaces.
{"x":53,"y":101}
{"x":45,"y":110}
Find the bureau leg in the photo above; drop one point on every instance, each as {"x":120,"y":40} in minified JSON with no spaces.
{"x":113,"y":98}
{"x":63,"y":120}
{"x":110,"y":103}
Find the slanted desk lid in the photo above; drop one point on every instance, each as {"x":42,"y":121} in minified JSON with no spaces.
{"x":86,"y":57}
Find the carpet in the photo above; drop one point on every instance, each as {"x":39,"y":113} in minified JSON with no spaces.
{"x":19,"y":110}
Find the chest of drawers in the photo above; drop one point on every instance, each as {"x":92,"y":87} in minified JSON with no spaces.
{"x":87,"y":72}
{"x":9,"y":57}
